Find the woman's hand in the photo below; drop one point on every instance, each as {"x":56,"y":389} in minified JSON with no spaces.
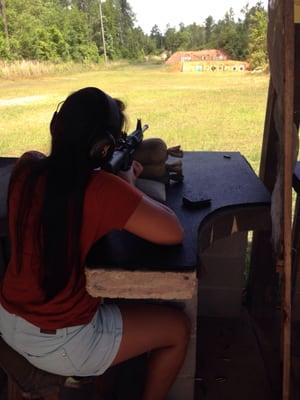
{"x":132,"y":174}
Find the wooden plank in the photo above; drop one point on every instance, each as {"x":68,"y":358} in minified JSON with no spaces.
{"x":140,"y":284}
{"x":269,"y":156}
{"x":288,"y":164}
{"x":262,"y":276}
{"x":281,"y":52}
{"x":296,"y":72}
{"x":268,"y":335}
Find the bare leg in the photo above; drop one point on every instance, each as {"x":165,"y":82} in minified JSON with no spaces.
{"x":164,"y":332}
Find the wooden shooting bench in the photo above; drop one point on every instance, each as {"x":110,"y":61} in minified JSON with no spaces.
{"x":123,"y":266}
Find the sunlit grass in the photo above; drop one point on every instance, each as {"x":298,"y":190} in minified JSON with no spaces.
{"x":200,"y":111}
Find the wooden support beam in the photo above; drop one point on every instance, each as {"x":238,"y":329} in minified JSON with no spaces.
{"x":288,"y":118}
{"x":262,"y":275}
{"x":277,"y":162}
{"x":297,"y":71}
{"x":269,"y":153}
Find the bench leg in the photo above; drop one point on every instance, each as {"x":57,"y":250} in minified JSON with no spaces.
{"x":13,"y":392}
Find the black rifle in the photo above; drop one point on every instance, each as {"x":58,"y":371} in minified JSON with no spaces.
{"x":123,"y":155}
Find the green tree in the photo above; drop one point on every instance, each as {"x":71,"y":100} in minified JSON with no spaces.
{"x":172,"y":39}
{"x":257,"y":46}
{"x":77,"y":35}
{"x":60,"y":30}
{"x":225,"y":36}
{"x":209,"y":25}
{"x":157,"y":37}
{"x":49,"y":30}
{"x":197,"y":36}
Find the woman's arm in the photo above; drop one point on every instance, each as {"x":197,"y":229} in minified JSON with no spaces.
{"x":152,"y":220}
{"x":155,"y":222}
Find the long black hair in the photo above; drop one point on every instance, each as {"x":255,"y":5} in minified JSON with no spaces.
{"x":86,"y":118}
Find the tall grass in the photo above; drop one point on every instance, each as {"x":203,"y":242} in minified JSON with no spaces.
{"x":34,"y":69}
{"x":23,"y":69}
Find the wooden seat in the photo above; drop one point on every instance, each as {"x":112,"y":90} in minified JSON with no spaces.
{"x":28,"y":382}
{"x":24,"y":380}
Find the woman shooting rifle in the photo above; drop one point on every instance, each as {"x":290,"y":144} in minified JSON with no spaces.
{"x":59,"y":206}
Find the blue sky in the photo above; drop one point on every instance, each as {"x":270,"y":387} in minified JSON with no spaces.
{"x":162,"y":12}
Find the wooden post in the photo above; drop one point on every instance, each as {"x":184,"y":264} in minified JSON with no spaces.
{"x":262,"y":275}
{"x":277,"y":161}
{"x":288,"y":111}
{"x":296,"y":221}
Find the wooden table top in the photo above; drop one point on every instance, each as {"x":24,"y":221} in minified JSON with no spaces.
{"x":237,"y":197}
{"x":236,"y":194}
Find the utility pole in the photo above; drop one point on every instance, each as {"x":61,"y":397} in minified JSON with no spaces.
{"x":102,"y":31}
{"x":3,"y":13}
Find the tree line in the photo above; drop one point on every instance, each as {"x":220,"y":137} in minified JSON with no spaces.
{"x":70,"y":30}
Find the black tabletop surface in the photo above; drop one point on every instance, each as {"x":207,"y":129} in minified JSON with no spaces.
{"x":226,"y":178}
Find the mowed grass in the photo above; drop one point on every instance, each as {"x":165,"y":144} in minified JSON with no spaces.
{"x":199,"y":111}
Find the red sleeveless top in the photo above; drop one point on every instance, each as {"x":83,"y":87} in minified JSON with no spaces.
{"x":108,"y":204}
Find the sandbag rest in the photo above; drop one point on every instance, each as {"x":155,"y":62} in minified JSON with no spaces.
{"x":32,"y":382}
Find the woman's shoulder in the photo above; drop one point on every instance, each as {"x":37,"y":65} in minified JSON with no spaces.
{"x":28,"y":157}
{"x":25,"y":162}
{"x":100,"y":177}
{"x":112,"y":184}
{"x":31,"y":155}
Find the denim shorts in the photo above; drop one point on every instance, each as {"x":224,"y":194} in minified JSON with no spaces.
{"x":81,"y":350}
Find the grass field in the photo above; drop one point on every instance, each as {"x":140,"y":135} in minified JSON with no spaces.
{"x":204,"y":111}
